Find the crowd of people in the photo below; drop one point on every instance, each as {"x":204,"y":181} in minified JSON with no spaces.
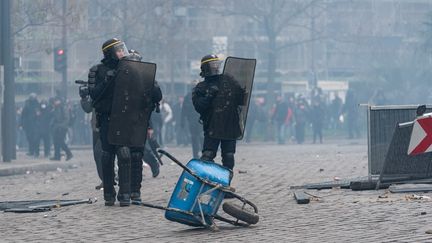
{"x":54,"y":123}
{"x":287,"y":120}
{"x":290,"y":117}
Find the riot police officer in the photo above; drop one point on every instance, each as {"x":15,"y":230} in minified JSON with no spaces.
{"x":216,"y":99}
{"x":108,"y":92}
{"x":101,"y":90}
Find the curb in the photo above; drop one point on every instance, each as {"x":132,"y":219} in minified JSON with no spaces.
{"x":42,"y":167}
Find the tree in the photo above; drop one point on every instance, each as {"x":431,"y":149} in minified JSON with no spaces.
{"x":276,"y":18}
{"x":41,"y":20}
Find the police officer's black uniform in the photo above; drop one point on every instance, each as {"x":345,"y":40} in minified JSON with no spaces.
{"x":206,"y":104}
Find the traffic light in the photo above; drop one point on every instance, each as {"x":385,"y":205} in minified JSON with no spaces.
{"x":60,"y":59}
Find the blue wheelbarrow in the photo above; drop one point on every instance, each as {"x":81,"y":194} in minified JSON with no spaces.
{"x":199,"y":193}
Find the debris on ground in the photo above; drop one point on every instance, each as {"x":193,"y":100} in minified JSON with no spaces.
{"x":35,"y":206}
{"x":410,"y":188}
{"x":367,"y":185}
{"x":313,"y":197}
{"x":301,"y":197}
{"x":416,"y":197}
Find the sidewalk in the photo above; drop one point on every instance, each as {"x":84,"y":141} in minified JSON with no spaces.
{"x":26,"y":165}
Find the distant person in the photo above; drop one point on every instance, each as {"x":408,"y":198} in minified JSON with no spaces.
{"x":60,"y":124}
{"x":157,"y":124}
{"x":180,"y":134}
{"x":79,"y":125}
{"x":279,"y":116}
{"x":335,"y":111}
{"x":317,"y":95}
{"x":289,"y":120}
{"x":167,"y":117}
{"x":43,"y":132}
{"x":317,"y":118}
{"x":28,"y":124}
{"x":301,"y":115}
{"x":20,"y":141}
{"x":190,"y":120}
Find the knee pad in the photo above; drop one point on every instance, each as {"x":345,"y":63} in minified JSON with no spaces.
{"x":123,"y":154}
{"x":136,"y":161}
{"x":137,"y":156}
{"x":208,"y":155}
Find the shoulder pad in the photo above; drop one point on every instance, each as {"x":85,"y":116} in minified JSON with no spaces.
{"x":94,"y":68}
{"x":199,"y":89}
{"x":200,"y":85}
{"x":92,"y":74}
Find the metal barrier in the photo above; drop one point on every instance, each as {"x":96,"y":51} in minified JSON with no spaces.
{"x":398,"y":165}
{"x":382,"y":121}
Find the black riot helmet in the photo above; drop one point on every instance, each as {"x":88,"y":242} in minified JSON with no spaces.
{"x":210,"y":65}
{"x":114,"y":49}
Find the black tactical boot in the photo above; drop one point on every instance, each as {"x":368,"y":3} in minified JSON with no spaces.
{"x":136,"y":198}
{"x":124,"y":199}
{"x":109,"y":200}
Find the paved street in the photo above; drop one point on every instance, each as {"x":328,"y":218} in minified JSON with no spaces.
{"x":267,"y":173}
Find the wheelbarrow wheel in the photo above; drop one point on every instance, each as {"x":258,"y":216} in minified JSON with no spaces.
{"x":240,"y":214}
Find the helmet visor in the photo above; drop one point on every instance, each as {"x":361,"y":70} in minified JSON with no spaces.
{"x":214,"y":67}
{"x":120,"y":50}
{"x":210,"y":68}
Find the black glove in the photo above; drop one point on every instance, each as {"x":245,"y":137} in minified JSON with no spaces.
{"x":212,"y":91}
{"x":83,"y":91}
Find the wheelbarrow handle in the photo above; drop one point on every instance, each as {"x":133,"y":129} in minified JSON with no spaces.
{"x":224,"y":188}
{"x":175,"y":161}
